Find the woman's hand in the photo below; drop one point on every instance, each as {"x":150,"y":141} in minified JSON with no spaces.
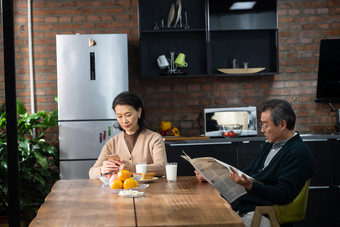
{"x":128,"y":166}
{"x":112,"y":166}
{"x":199,"y":177}
{"x":241,"y":180}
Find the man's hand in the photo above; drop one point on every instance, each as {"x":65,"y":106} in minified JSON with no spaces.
{"x":241,"y":180}
{"x":199,"y":177}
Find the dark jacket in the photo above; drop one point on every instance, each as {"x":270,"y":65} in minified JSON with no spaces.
{"x":282,"y":179}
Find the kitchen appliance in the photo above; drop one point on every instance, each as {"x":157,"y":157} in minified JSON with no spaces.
{"x":91,"y":71}
{"x":246,"y":116}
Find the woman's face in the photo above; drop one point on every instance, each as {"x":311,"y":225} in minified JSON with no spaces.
{"x":128,"y":117}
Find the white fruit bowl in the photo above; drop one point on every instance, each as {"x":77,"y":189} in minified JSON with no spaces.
{"x":105,"y":178}
{"x":230,"y":131}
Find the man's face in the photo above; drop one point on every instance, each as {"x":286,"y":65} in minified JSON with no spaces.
{"x":272,"y":132}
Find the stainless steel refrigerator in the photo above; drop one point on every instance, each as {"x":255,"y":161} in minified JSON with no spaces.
{"x":91,"y":71}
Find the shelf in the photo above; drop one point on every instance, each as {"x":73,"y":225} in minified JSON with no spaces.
{"x":167,"y":76}
{"x":241,"y":71}
{"x":167,"y":30}
{"x":212,"y":39}
{"x":242,"y":30}
{"x":209,"y":75}
{"x":245,"y":74}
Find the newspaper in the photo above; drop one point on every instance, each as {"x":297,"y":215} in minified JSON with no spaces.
{"x":217,"y":173}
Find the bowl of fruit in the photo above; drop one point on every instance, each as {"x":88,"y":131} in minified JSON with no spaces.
{"x":230,"y":131}
{"x":108,"y":178}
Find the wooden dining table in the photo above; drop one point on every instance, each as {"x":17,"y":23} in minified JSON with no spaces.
{"x":186,"y":202}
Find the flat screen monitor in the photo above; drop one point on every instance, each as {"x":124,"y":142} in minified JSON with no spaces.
{"x":328,"y":87}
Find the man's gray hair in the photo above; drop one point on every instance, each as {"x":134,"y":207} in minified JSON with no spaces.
{"x":280,"y":110}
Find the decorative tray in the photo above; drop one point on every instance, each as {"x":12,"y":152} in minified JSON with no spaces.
{"x":241,"y":70}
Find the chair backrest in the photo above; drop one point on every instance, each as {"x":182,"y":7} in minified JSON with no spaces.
{"x":296,"y":210}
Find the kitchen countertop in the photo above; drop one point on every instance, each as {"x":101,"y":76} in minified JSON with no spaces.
{"x":245,"y":139}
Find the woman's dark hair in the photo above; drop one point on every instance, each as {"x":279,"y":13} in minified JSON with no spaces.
{"x":280,"y":110}
{"x":128,"y":98}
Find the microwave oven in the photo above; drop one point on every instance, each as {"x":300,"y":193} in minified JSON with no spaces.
{"x":246,"y":116}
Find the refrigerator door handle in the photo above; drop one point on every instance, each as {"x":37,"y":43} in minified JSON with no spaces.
{"x":92,"y":66}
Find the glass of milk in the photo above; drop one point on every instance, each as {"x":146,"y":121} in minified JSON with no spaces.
{"x":141,"y":167}
{"x":171,"y":171}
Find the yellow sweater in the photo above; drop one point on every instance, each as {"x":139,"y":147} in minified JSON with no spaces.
{"x":149,"y":147}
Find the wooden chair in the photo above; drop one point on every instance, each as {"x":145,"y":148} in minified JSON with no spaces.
{"x":279,"y":214}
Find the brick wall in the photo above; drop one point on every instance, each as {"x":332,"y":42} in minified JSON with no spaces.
{"x":302,"y":23}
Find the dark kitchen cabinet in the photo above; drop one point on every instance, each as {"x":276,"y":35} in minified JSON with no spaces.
{"x":324,"y":192}
{"x":319,"y":209}
{"x":156,"y":38}
{"x":223,"y":151}
{"x":238,"y":154}
{"x":336,"y":183}
{"x":246,"y":152}
{"x":248,"y":35}
{"x":336,"y":163}
{"x":322,"y":151}
{"x":210,"y":34}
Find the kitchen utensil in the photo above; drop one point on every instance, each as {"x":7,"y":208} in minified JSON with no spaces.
{"x":162,"y":23}
{"x":116,"y":191}
{"x":148,"y":180}
{"x":230,"y":131}
{"x":234,"y":63}
{"x":173,"y":66}
{"x":180,"y":60}
{"x":186,"y":20}
{"x":162,"y":62}
{"x":156,"y":26}
{"x":178,"y":11}
{"x":171,"y":14}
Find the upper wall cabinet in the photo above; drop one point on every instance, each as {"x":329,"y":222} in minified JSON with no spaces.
{"x":207,"y":38}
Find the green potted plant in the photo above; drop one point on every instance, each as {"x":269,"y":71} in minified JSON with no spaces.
{"x":38,"y":160}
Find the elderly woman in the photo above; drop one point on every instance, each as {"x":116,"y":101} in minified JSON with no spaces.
{"x":134,"y":144}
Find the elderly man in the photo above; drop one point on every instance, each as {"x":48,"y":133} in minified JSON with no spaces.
{"x":282,"y":166}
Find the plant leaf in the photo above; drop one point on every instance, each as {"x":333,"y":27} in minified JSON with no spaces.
{"x":21,"y":107}
{"x":41,"y":160}
{"x":24,"y":147}
{"x":45,"y":147}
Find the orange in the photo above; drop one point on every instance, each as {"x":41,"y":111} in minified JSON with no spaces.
{"x":124,"y":174}
{"x":116,"y":184}
{"x":113,"y":177}
{"x":130,"y":183}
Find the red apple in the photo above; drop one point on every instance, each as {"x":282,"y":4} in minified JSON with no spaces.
{"x":113,"y":177}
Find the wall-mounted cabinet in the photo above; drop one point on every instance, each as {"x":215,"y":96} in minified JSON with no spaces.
{"x":210,"y":34}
